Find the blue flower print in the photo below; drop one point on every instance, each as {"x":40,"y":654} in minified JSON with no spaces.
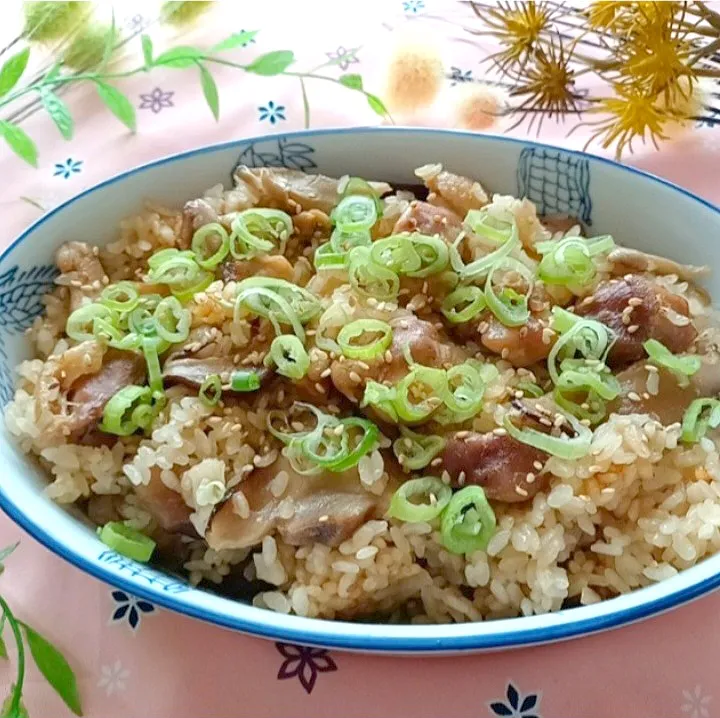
{"x":68,"y":168}
{"x":517,"y":705}
{"x":272,"y":112}
{"x":130,"y":609}
{"x":413,"y":6}
{"x":458,"y":76}
{"x":304,"y":663}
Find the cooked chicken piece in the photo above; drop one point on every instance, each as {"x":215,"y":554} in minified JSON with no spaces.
{"x":521,"y":346}
{"x":81,"y":360}
{"x":326,"y":508}
{"x":166,"y":506}
{"x":624,"y":260}
{"x":268,"y":265}
{"x":668,"y":399}
{"x":454,"y":192}
{"x":81,"y":271}
{"x":504,"y":467}
{"x":429,"y":219}
{"x":90,"y":393}
{"x":311,"y":224}
{"x":637,"y":309}
{"x":292,"y":190}
{"x":196,"y":213}
{"x":422,"y":339}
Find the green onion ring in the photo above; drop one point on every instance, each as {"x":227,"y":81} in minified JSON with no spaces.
{"x":682,"y":367}
{"x":471,"y":296}
{"x":172,"y":322}
{"x":354,"y":213}
{"x":204,"y":255}
{"x":415,"y":451}
{"x":127,"y":541}
{"x":701,"y":415}
{"x":508,"y":306}
{"x":564,"y":447}
{"x":468,"y":522}
{"x":437,"y":496}
{"x":211,"y":390}
{"x":356,"y":329}
{"x":290,"y":356}
{"x":112,"y":297}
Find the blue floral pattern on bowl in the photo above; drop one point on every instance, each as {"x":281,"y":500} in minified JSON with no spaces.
{"x":278,"y":152}
{"x":556,"y":181}
{"x":21,"y":294}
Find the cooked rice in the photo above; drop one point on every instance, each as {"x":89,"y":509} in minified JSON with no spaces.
{"x":638,"y":509}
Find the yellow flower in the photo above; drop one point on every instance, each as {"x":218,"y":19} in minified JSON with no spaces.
{"x":617,"y":16}
{"x":632,"y":113}
{"x":518,"y":26}
{"x":549,"y":82}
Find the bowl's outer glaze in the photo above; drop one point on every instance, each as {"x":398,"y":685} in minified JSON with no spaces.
{"x":639,"y":210}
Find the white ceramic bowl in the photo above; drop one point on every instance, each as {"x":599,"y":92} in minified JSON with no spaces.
{"x":639,"y":210}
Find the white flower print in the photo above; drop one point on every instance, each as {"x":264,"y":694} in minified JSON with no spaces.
{"x":696,"y":703}
{"x":113,"y":678}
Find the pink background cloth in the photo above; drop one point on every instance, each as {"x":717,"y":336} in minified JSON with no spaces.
{"x":133,"y":659}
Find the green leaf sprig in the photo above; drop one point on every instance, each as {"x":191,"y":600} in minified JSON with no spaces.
{"x":50,"y":662}
{"x":182,"y":57}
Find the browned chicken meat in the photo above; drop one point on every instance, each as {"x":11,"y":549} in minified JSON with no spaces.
{"x":81,"y":271}
{"x":454,"y":192}
{"x":637,"y":309}
{"x":428,"y":219}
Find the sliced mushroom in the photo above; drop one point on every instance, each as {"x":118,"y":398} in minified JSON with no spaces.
{"x":625,"y":260}
{"x":270,"y":265}
{"x":292,"y":190}
{"x":637,"y":309}
{"x":81,"y":271}
{"x":193,"y":371}
{"x":89,"y":395}
{"x":327,"y":508}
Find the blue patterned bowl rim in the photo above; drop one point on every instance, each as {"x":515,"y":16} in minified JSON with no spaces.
{"x":390,"y":639}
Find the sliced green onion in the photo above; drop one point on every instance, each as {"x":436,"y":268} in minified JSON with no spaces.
{"x":206,"y":255}
{"x":327,"y":258}
{"x":466,"y":389}
{"x":211,"y":390}
{"x":593,"y":245}
{"x":355,"y":213}
{"x":121,"y":297}
{"x":420,"y":500}
{"x":343,"y":241}
{"x":480,"y":267}
{"x":587,"y":337}
{"x":260,"y":300}
{"x":321,"y":419}
{"x":257,"y":230}
{"x":336,"y":315}
{"x":305,"y":304}
{"x":186,"y":292}
{"x":357,"y":185}
{"x":245,"y":380}
{"x":369,"y":278}
{"x":564,"y":447}
{"x":397,"y":253}
{"x":415,"y":451}
{"x":701,"y":415}
{"x":172,"y":322}
{"x":660,"y":355}
{"x":81,"y":325}
{"x":597,"y":378}
{"x":150,"y":348}
{"x":369,"y":349}
{"x":434,"y":255}
{"x":353,"y":447}
{"x":568,"y":264}
{"x":173,"y":267}
{"x":529,"y":388}
{"x":508,"y":306}
{"x":420,"y":393}
{"x":592,"y":408}
{"x":119,"y":414}
{"x":380,"y":397}
{"x":479,"y":221}
{"x":464,"y":304}
{"x":127,"y":541}
{"x":290,"y":356}
{"x":468,"y":522}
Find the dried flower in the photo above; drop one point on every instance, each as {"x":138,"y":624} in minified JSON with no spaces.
{"x":87,"y":48}
{"x":53,"y":20}
{"x":518,"y":26}
{"x":415,"y":76}
{"x":478,"y":107}
{"x":631,"y":114}
{"x":548,"y":83}
{"x":183,"y":13}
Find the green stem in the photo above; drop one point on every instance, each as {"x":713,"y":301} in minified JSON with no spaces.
{"x":17,"y":691}
{"x":306,"y":104}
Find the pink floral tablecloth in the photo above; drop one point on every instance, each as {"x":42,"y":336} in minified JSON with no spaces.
{"x":136,"y":661}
